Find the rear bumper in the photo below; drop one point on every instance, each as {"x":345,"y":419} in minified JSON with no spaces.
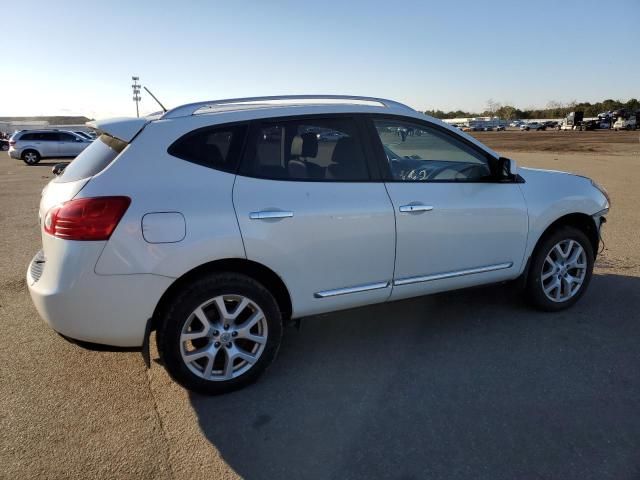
{"x":104,"y":309}
{"x":13,"y":153}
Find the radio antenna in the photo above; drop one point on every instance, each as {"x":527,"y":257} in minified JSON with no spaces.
{"x":154,"y":97}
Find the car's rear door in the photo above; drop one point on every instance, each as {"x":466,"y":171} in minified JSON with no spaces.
{"x":456,"y":225}
{"x":309,"y":207}
{"x":47,"y":144}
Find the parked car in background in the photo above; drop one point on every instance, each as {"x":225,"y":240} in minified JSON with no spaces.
{"x":4,"y":144}
{"x":532,"y":126}
{"x":589,"y":125}
{"x":83,"y":134}
{"x":625,"y":123}
{"x":33,"y":145}
{"x":500,"y":128}
{"x":488,"y":128}
{"x":551,"y":124}
{"x":262,"y":229}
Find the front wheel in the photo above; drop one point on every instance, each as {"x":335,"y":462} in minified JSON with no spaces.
{"x":560,"y":270}
{"x":220,"y":333}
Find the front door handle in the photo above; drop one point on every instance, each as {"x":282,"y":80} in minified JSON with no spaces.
{"x":415,"y":208}
{"x":267,"y":214}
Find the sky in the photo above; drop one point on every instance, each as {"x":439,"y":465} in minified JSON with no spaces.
{"x":65,"y":57}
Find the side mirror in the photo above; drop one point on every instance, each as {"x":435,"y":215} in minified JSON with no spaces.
{"x":507,"y":168}
{"x":58,"y":168}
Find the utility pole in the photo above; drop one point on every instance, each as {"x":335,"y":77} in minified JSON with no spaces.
{"x":136,"y":93}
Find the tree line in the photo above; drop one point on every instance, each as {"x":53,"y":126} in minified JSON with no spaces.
{"x":552,"y":110}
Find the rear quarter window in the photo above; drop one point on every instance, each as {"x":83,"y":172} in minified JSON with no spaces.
{"x":93,"y":159}
{"x":216,"y":147}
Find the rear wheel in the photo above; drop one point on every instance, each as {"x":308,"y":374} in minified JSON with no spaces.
{"x":30,"y":157}
{"x":220,"y":333}
{"x":561,"y":269}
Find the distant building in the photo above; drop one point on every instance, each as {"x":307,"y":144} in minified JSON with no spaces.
{"x":12,"y":126}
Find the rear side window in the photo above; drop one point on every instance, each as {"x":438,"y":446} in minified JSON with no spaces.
{"x":40,"y":136}
{"x":311,"y":149}
{"x":93,"y":159}
{"x":214,"y":147}
{"x":49,"y":136}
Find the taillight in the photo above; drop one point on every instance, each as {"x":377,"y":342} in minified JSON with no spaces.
{"x":86,"y":218}
{"x":12,"y":142}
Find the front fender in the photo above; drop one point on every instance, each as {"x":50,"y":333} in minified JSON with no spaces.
{"x":551,"y":195}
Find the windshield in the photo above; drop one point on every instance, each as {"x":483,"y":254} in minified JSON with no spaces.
{"x":93,"y":159}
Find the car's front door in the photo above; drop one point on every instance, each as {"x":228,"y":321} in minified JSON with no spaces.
{"x":70,"y":145}
{"x":457,"y":225}
{"x":308,"y":209}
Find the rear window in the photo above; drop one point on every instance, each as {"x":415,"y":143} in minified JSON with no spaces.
{"x":93,"y":159}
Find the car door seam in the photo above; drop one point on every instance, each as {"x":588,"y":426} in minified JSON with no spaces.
{"x":235,"y":211}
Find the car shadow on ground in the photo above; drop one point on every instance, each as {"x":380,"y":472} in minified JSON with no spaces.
{"x":469,"y":384}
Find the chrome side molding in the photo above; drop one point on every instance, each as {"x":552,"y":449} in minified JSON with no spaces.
{"x":356,"y":289}
{"x":458,"y":273}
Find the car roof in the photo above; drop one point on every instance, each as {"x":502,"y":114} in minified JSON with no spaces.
{"x":212,"y":112}
{"x":310,"y":103}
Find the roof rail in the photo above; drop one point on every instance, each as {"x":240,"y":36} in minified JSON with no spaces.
{"x":192,"y":108}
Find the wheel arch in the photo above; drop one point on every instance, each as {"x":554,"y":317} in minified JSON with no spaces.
{"x":30,"y":149}
{"x":255,"y":270}
{"x":583,"y":222}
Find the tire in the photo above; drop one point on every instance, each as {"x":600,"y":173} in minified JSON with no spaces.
{"x":541,"y":266}
{"x":206,"y":374}
{"x":30,"y":157}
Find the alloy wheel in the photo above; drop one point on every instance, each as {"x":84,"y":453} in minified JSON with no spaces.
{"x":564,"y":270}
{"x":223,"y":337}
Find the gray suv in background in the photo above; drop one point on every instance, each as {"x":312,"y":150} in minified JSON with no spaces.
{"x":33,"y":145}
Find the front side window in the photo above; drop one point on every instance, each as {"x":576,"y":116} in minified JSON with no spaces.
{"x":307,"y":150}
{"x":67,"y":137}
{"x":213,"y":147}
{"x":417,"y":153}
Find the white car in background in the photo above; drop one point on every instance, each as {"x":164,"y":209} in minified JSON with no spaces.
{"x":31,"y":146}
{"x":536,"y":126}
{"x":625,"y":124}
{"x":215,"y":223}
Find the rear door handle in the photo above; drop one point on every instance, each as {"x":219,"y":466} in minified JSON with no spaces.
{"x":415,"y":208}
{"x":266,"y":214}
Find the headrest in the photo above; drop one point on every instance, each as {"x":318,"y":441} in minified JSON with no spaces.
{"x":343,"y":150}
{"x":309,"y":145}
{"x":296,"y":146}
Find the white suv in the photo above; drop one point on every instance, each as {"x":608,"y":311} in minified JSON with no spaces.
{"x":33,"y":145}
{"x":214,"y":223}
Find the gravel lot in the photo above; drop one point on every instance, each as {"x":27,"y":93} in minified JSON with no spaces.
{"x":470,"y":384}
